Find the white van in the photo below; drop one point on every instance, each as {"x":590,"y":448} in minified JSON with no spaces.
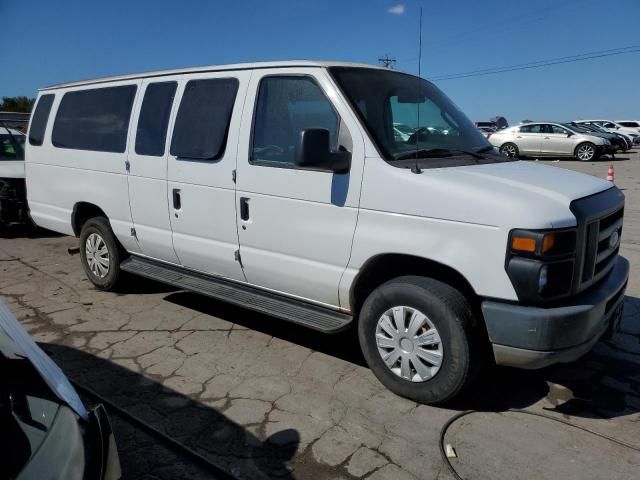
{"x":282,"y":187}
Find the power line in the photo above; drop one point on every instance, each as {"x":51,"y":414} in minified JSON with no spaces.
{"x":539,"y":63}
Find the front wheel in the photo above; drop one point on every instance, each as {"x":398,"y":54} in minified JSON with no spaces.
{"x":586,"y":152}
{"x":415,"y":334}
{"x":509,"y":150}
{"x":100,"y":253}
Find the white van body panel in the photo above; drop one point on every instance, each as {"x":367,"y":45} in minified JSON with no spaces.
{"x":298,"y":238}
{"x":453,"y":215}
{"x":59,"y":178}
{"x":148,"y":189}
{"x":12,"y":169}
{"x":205,"y":235}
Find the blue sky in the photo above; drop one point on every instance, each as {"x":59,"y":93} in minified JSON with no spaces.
{"x":48,"y":41}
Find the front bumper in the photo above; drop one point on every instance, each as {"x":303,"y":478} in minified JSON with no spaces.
{"x":535,"y":337}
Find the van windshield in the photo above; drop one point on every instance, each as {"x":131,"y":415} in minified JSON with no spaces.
{"x":437,"y":128}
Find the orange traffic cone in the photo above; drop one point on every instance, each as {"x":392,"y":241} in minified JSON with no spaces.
{"x":610,"y":175}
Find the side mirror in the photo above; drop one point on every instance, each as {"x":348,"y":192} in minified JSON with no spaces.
{"x":314,"y":152}
{"x":569,"y":134}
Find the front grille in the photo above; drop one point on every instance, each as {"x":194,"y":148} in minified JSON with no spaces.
{"x":602,"y":244}
{"x":599,"y":218}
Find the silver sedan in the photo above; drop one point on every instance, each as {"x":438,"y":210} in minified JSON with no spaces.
{"x":545,"y":139}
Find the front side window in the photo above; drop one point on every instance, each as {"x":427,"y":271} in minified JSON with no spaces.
{"x":151,"y":134}
{"x":11,"y":146}
{"x":96,"y":119}
{"x":202,"y":124}
{"x":40,"y":119}
{"x":407,"y":116}
{"x":558,"y":130}
{"x":286,"y":106}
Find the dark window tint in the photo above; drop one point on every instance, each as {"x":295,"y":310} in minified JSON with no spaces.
{"x":285,"y":107}
{"x":203,"y":119}
{"x":154,"y":118}
{"x":39,"y":120}
{"x":531,"y":128}
{"x":95,"y":119}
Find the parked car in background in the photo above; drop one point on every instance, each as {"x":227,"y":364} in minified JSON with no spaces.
{"x":487,"y":131}
{"x":630,"y":124}
{"x":544,"y":139}
{"x":402,"y":132}
{"x":13,"y":203}
{"x":614,"y":127}
{"x":625,"y":142}
{"x":45,"y":430}
{"x":430,"y":247}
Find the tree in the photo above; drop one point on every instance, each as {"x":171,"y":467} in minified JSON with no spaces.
{"x":17,"y":104}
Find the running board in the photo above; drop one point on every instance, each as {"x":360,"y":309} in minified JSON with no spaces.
{"x":295,"y":311}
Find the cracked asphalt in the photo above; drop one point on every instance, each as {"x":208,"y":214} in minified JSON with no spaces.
{"x":261,"y":398}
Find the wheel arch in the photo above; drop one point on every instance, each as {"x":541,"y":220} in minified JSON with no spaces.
{"x":384,"y":267}
{"x":83,"y":211}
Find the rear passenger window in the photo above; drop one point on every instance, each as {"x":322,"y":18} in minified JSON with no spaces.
{"x":39,"y":120}
{"x":203,"y":119}
{"x":96,"y":119}
{"x":531,"y":129}
{"x":285,"y":107}
{"x":154,"y":118}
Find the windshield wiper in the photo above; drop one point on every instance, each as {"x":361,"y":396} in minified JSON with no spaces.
{"x":437,"y":153}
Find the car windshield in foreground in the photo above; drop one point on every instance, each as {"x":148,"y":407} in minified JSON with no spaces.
{"x":384,"y":99}
{"x":11,"y":147}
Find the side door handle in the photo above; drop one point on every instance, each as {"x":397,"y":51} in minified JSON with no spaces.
{"x":177,"y":201}
{"x":244,"y":208}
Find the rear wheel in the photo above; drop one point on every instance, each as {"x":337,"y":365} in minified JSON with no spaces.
{"x":415,"y":333}
{"x":586,"y":152}
{"x":100,"y":253}
{"x":509,"y":150}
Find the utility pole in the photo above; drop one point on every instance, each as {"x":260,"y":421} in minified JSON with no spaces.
{"x":387,"y":62}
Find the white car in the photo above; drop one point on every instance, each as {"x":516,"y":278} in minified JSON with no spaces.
{"x":12,"y":184}
{"x":630,"y":124}
{"x":546,"y":139}
{"x":614,"y":127}
{"x":281,"y":187}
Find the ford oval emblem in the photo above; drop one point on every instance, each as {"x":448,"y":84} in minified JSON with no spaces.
{"x":613,"y":240}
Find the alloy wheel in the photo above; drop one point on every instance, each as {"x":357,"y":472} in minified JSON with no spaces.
{"x":586,"y":152}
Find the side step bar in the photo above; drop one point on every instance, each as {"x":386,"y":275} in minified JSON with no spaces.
{"x":295,"y":311}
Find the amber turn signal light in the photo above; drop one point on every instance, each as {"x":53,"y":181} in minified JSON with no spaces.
{"x":548,"y":242}
{"x":523,"y":244}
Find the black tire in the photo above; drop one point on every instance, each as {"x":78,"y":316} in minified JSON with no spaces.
{"x":451,"y":315}
{"x":512,"y":147}
{"x":586,"y":145}
{"x":100,"y":226}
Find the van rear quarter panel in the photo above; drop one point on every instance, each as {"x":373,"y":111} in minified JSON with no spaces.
{"x":59,"y":178}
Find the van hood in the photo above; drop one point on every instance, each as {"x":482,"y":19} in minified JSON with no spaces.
{"x":520,"y":194}
{"x":12,"y":169}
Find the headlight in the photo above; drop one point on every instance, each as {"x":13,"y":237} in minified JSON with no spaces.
{"x":543,"y":278}
{"x":540,"y":264}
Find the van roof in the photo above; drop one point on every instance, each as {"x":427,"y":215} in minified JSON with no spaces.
{"x":213,"y":68}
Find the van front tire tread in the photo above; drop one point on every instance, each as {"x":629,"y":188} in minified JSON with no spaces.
{"x":450,"y":312}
